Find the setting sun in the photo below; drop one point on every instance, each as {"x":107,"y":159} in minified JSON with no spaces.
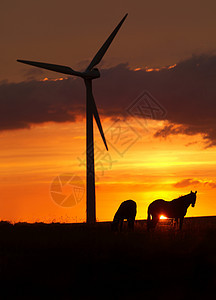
{"x":163,"y":217}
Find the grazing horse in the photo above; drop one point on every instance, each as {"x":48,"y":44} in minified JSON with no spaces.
{"x":127,"y":210}
{"x":175,"y":209}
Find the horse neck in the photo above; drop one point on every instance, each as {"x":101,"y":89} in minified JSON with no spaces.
{"x":186,"y":200}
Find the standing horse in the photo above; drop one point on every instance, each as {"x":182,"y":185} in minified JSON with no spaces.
{"x":127,"y":210}
{"x":175,"y":209}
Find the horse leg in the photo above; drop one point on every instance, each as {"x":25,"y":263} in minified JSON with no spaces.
{"x":121,"y":224}
{"x":130,"y":224}
{"x":155,"y":220}
{"x":149,"y":221}
{"x":176,"y":223}
{"x":181,"y":222}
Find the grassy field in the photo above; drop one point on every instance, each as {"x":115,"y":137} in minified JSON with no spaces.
{"x":76,"y":261}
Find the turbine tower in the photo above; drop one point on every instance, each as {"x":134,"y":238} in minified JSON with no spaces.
{"x":91,"y":110}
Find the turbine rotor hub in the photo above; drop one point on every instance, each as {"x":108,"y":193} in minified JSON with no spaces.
{"x":92,"y":74}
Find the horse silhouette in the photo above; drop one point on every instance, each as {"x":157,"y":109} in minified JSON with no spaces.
{"x":175,"y":209}
{"x":127,"y":210}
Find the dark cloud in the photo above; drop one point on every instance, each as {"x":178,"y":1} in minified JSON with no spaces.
{"x":186,"y":91}
{"x":35,"y":102}
{"x":190,"y":98}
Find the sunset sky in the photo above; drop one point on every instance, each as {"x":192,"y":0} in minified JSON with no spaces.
{"x":164,"y":55}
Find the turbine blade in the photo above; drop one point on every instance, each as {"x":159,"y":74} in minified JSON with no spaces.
{"x":51,"y":67}
{"x":97,"y":119}
{"x":105,"y":46}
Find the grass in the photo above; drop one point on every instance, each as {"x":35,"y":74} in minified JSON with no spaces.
{"x":76,"y":261}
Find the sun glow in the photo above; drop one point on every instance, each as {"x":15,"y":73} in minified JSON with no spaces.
{"x":152,"y":69}
{"x":137,"y":69}
{"x":53,"y":79}
{"x":157,"y":69}
{"x":163,"y":217}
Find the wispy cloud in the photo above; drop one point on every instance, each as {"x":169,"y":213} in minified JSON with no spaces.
{"x":186,"y":182}
{"x":194,"y":182}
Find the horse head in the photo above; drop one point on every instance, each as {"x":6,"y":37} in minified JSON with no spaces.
{"x":193,"y":198}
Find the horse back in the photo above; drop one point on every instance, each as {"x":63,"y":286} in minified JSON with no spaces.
{"x":159,"y":207}
{"x":171,"y":209}
{"x":157,"y":203}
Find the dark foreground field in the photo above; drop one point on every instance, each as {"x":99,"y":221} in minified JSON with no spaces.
{"x":75,"y":261}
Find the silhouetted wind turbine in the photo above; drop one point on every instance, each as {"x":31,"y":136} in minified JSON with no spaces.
{"x":88,"y":75}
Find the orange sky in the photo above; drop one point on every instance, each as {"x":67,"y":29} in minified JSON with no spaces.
{"x":148,"y":170}
{"x":171,"y":45}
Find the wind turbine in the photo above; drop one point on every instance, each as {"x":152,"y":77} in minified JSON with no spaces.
{"x":91,"y":110}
